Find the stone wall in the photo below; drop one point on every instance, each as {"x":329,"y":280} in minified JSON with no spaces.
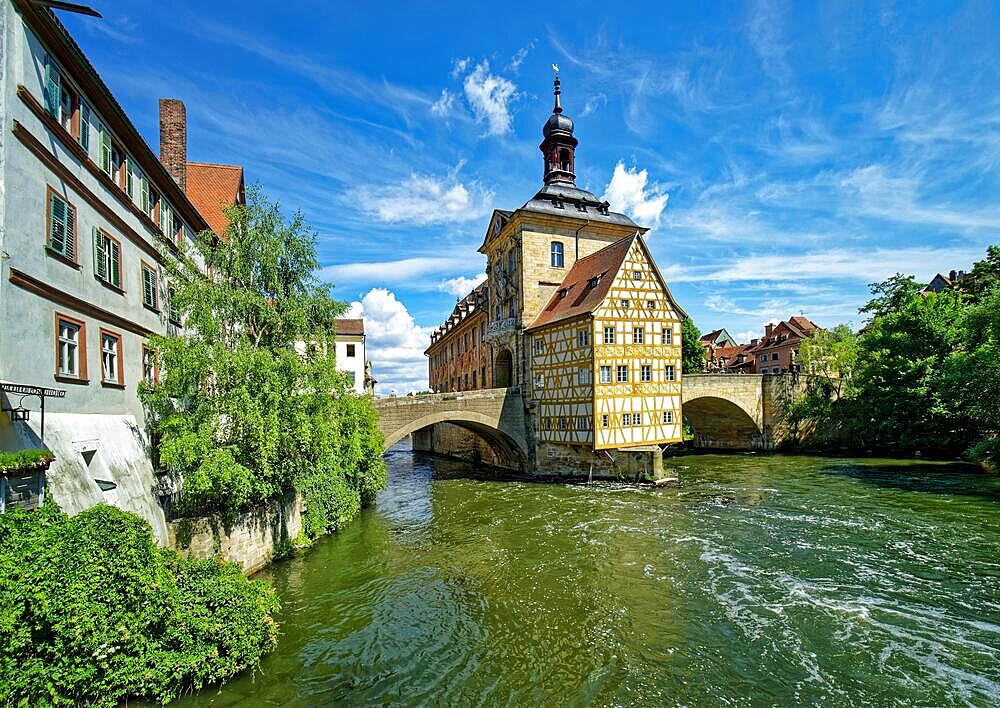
{"x":252,"y":540}
{"x":455,"y":441}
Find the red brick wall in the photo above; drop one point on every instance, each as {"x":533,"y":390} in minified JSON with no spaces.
{"x":173,"y":139}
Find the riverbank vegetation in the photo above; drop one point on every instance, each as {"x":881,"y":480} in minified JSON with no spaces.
{"x":249,"y":403}
{"x":921,"y":377}
{"x":93,"y":612}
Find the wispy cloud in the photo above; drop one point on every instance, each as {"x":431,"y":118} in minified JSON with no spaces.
{"x":404,"y":271}
{"x":490,"y":97}
{"x":423,"y":200}
{"x":519,"y":56}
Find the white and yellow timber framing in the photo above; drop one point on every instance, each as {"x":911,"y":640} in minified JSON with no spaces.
{"x":637,"y":300}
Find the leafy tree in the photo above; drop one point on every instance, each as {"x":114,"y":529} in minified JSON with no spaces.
{"x":832,"y":354}
{"x":891,"y":294}
{"x":692,"y":352}
{"x":250,"y":404}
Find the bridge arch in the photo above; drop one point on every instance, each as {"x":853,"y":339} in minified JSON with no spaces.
{"x":720,"y":423}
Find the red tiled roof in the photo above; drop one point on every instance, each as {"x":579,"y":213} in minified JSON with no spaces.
{"x":212,"y":188}
{"x":350,"y":326}
{"x":578,"y":294}
{"x":710,"y":337}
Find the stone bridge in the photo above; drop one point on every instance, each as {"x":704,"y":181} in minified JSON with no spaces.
{"x":495,"y":414}
{"x":739,"y":411}
{"x":724,"y":411}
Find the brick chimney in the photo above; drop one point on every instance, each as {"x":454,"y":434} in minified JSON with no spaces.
{"x":768,"y":328}
{"x":173,"y":139}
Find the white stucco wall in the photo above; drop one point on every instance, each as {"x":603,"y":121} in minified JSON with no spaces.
{"x":353,"y":364}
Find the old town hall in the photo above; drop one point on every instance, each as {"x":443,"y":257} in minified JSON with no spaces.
{"x":575,"y":316}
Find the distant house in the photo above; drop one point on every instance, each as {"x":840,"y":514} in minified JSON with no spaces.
{"x":351,"y":354}
{"x":778,"y":350}
{"x":718,"y":338}
{"x":941,"y":282}
{"x":729,"y":359}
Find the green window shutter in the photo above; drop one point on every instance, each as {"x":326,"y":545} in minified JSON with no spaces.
{"x":144,"y":194}
{"x":57,"y":224}
{"x":105,"y":149}
{"x":85,"y":127}
{"x":116,"y":264}
{"x":53,"y":87}
{"x":100,"y":255}
{"x":149,"y":287}
{"x":129,"y":189}
{"x":70,"y":251}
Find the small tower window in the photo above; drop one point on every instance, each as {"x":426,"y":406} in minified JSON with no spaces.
{"x":564,"y":160}
{"x":556,"y":254}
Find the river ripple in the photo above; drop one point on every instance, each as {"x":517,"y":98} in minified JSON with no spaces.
{"x":758,"y":580}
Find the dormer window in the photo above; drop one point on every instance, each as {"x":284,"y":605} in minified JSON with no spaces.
{"x":562,"y":293}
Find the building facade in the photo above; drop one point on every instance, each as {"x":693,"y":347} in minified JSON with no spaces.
{"x":777,"y":351}
{"x":89,"y":214}
{"x":351,"y":356}
{"x":459,"y":359}
{"x":563,"y":271}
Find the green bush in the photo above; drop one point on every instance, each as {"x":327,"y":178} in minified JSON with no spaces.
{"x":92,"y":611}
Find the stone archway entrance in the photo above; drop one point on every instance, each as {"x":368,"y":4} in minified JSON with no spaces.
{"x":503,"y":369}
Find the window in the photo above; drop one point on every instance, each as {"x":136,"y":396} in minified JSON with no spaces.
{"x":646,"y":373}
{"x":605,"y":374}
{"x":604,"y":421}
{"x":636,"y":275}
{"x":583,"y":338}
{"x":538,"y":346}
{"x":71,"y":348}
{"x":511,"y":309}
{"x":774,"y":356}
{"x":626,"y":420}
{"x":150,"y":372}
{"x":466,"y":380}
{"x":762,"y":357}
{"x":637,"y":419}
{"x":669,"y":372}
{"x":583,"y":376}
{"x":581,"y":423}
{"x":668,"y":417}
{"x":68,"y":103}
{"x":482,"y":331}
{"x":350,"y":351}
{"x":626,"y":304}
{"x":85,"y":121}
{"x":149,"y":295}
{"x":61,"y":226}
{"x":144,"y":201}
{"x":650,"y":304}
{"x":106,"y":151}
{"x":638,"y":335}
{"x":175,"y":311}
{"x":609,"y":335}
{"x":129,"y":178}
{"x":511,"y":261}
{"x":111,"y":358}
{"x":562,"y":424}
{"x":667,"y":335}
{"x":166,"y":220}
{"x":765,"y":371}
{"x":118,"y":165}
{"x":107,"y":258}
{"x":482,"y":376}
{"x":474,"y":384}
{"x":539,"y":380}
{"x":556,"y":254}
{"x":351,"y":378}
{"x":623,"y":373}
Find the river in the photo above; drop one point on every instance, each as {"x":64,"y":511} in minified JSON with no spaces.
{"x":757,"y":580}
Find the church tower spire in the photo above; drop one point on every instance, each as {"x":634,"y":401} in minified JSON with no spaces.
{"x":558,"y":144}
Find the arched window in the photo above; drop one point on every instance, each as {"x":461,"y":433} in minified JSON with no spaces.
{"x":564,"y":160}
{"x":556,"y":251}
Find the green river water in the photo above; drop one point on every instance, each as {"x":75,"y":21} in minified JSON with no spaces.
{"x":757,"y":580}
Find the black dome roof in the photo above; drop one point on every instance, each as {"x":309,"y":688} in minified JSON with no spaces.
{"x":558,"y":121}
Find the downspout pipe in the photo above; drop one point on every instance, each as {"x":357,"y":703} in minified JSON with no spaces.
{"x":577,"y":239}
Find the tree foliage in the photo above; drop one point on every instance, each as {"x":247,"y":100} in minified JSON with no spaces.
{"x":692,"y":352}
{"x":922,"y":376}
{"x":249,"y":403}
{"x":93,"y":612}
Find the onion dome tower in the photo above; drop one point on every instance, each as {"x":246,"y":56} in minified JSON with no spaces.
{"x":558,"y":145}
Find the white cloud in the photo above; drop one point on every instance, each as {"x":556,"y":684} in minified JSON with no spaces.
{"x":394,"y":342}
{"x":444,"y":105}
{"x":423,"y":200}
{"x":461,"y":286}
{"x":490,"y":96}
{"x":749,"y":335}
{"x":458,"y":66}
{"x":519,"y":57}
{"x":629,"y":191}
{"x":399,"y":272}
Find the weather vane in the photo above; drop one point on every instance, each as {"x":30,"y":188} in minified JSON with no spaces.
{"x":555,"y":68}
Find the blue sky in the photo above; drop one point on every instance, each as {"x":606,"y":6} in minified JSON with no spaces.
{"x":785,"y":154}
